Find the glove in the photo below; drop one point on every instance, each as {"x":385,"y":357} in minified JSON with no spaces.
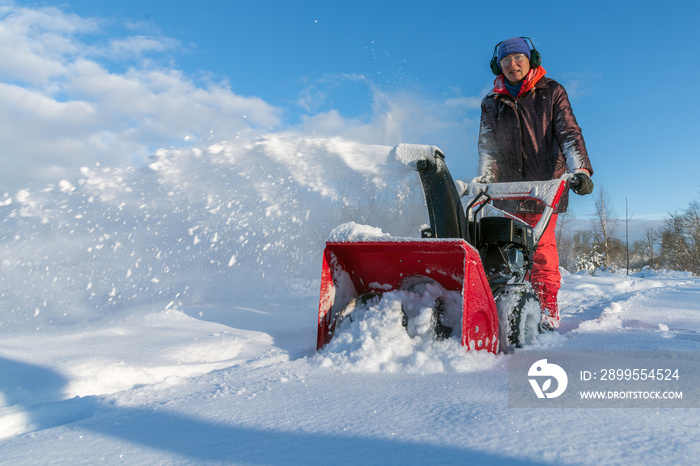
{"x":581,"y":183}
{"x":484,"y":179}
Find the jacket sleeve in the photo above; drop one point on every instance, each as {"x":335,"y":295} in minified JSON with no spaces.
{"x":568,"y":134}
{"x":489,"y":147}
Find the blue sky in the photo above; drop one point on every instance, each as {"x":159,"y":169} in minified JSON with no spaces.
{"x":120,"y":74}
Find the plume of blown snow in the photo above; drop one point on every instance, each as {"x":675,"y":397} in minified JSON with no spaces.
{"x":198,"y":224}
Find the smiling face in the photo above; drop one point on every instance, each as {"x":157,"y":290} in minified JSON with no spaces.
{"x":515,"y":67}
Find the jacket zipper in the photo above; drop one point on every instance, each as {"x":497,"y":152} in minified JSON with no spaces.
{"x":520,"y":132}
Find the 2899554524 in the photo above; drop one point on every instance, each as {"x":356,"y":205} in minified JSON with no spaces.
{"x":659,"y":374}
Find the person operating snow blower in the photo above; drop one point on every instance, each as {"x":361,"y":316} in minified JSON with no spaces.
{"x":528,"y":132}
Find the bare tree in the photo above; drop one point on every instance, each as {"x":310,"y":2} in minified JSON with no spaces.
{"x":649,"y":243}
{"x":628,"y":217}
{"x":564,"y":238}
{"x":680,"y":240}
{"x":604,"y":226}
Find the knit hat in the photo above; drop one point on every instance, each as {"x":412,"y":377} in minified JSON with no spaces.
{"x":512,"y":45}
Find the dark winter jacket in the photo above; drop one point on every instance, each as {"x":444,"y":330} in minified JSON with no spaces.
{"x":534,"y":137}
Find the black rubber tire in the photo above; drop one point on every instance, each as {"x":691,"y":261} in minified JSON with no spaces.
{"x":519,"y":317}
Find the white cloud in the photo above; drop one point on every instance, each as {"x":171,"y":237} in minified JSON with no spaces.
{"x":397,"y":117}
{"x":579,"y":84}
{"x":136,"y":46}
{"x":35,"y":43}
{"x":316,"y":94}
{"x":60,"y":109}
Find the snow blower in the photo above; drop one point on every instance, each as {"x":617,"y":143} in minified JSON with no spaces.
{"x":480,"y":252}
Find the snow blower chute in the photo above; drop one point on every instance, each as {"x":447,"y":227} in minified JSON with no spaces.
{"x":480,"y":252}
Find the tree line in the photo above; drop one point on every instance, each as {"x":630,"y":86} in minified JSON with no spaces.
{"x":674,"y":245}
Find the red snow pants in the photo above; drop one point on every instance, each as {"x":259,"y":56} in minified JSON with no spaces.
{"x":545,"y":276}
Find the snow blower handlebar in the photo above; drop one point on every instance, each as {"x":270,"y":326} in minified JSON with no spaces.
{"x":548,"y":192}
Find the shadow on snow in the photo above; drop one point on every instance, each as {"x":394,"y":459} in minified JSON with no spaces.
{"x":37,"y":392}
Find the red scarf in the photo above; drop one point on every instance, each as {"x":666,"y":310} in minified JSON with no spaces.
{"x":534,"y":75}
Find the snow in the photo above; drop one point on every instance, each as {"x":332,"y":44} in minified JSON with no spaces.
{"x":376,"y":341}
{"x":167,"y":315}
{"x":543,"y":190}
{"x":409,"y":154}
{"x":353,"y":232}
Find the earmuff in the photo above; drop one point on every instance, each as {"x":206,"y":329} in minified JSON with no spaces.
{"x":535,"y":57}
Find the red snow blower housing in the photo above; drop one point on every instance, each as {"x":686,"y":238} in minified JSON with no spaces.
{"x":480,"y":252}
